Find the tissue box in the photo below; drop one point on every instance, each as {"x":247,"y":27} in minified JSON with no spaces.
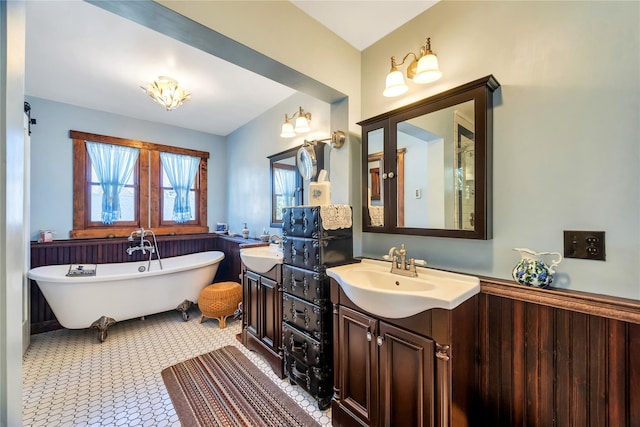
{"x":320,"y":193}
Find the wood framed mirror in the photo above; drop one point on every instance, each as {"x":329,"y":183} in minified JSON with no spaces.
{"x":286,"y":183}
{"x":427,"y":166}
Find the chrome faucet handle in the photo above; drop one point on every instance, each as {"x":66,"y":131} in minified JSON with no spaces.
{"x":392,"y":252}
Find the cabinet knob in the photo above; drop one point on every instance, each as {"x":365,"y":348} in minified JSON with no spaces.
{"x":391,"y":175}
{"x":379,"y":340}
{"x":369,"y":337}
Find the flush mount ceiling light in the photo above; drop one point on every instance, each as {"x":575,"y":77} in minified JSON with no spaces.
{"x":302,"y":124}
{"x":423,"y":69}
{"x":166,"y":92}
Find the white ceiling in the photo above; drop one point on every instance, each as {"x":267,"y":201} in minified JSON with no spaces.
{"x":362,"y":22}
{"x":80,"y":54}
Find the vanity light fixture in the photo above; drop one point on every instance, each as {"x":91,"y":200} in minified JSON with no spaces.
{"x":423,"y":69}
{"x":166,"y":92}
{"x":302,"y":124}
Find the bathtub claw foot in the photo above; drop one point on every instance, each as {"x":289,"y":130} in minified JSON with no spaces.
{"x":184,"y":309}
{"x":102,"y":324}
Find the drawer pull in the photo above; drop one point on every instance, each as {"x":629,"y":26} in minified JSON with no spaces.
{"x":305,"y":285}
{"x":299,"y":347}
{"x":299,"y":375}
{"x":299,"y":313}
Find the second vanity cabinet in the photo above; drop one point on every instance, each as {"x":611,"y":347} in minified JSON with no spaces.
{"x":415,"y":371}
{"x":262,"y":315}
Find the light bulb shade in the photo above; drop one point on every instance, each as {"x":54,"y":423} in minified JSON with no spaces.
{"x":427,"y":70}
{"x":287,"y":130}
{"x":395,"y":84}
{"x":302,"y":125}
{"x":166,"y":92}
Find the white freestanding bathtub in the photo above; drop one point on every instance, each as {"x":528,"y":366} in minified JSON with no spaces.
{"x":120,"y":291}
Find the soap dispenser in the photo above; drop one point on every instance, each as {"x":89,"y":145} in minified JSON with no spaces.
{"x":245,"y":231}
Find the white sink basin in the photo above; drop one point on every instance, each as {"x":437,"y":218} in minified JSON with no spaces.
{"x":261,"y":258}
{"x":372,"y":287}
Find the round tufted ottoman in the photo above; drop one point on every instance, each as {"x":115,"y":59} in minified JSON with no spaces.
{"x":219,"y":301}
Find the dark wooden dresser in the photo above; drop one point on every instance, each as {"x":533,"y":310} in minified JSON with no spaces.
{"x":309,"y":249}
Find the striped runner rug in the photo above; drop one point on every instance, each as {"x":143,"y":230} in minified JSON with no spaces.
{"x":224,"y":388}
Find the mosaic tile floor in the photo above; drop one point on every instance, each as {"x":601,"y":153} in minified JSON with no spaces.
{"x":71,"y":379}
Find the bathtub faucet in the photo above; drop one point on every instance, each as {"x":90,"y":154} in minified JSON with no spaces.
{"x":141,"y":247}
{"x":144,"y":245}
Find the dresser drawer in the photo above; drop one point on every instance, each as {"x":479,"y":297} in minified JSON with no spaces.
{"x":317,"y":380}
{"x":313,"y":319}
{"x":306,"y":348}
{"x":316,"y":254}
{"x":309,"y":285}
{"x":307,"y":222}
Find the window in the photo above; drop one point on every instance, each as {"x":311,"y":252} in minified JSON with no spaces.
{"x":146,"y":195}
{"x":178,"y":189}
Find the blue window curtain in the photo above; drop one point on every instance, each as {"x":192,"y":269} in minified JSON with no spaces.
{"x":113,"y":165}
{"x":285,"y":183}
{"x":181,"y":171}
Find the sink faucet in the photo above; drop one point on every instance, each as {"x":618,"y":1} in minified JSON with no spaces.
{"x":401,"y":267}
{"x":276,"y":239}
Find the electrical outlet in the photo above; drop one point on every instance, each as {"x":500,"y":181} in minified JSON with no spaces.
{"x":584,"y":245}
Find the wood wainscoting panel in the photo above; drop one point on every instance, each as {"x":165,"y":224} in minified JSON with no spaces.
{"x":546,"y":361}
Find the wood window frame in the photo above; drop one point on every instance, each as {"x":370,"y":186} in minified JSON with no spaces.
{"x":149,"y":181}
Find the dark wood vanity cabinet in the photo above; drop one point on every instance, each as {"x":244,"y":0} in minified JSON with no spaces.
{"x":416,"y":371}
{"x":262,"y":315}
{"x":386,"y":373}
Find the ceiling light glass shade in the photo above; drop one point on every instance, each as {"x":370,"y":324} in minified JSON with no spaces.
{"x":395,"y":84}
{"x":287,"y":130}
{"x":302,"y":125}
{"x":427,"y":70}
{"x":166,"y":92}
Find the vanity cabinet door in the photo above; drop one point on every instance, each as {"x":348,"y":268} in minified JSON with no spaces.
{"x":358,"y":365}
{"x":270,"y":317}
{"x":263,"y":309}
{"x":250,"y":303}
{"x":386,"y":374}
{"x":406,"y":377}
